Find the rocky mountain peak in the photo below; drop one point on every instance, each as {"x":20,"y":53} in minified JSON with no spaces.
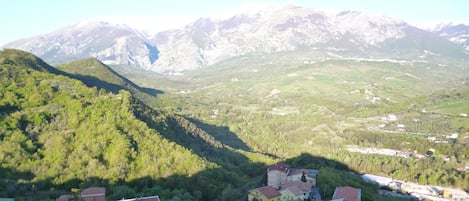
{"x":109,"y":42}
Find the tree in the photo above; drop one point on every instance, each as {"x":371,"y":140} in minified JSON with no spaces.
{"x":123,"y":191}
{"x":303,"y":177}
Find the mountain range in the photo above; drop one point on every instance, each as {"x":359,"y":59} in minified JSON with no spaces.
{"x":208,"y":41}
{"x":457,"y":32}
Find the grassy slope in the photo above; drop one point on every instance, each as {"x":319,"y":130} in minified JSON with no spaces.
{"x":325,"y":87}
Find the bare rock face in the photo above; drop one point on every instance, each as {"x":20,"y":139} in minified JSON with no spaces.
{"x":110,"y":43}
{"x":277,"y":29}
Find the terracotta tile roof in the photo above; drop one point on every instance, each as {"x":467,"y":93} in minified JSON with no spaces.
{"x":269,"y":192}
{"x":93,"y":194}
{"x":303,"y":186}
{"x":347,"y":193}
{"x":93,"y":191}
{"x":295,"y":190}
{"x":282,"y":167}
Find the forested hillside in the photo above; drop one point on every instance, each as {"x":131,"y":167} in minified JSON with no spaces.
{"x":94,"y":73}
{"x":58,"y":134}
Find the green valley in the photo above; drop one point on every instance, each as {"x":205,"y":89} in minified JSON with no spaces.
{"x":284,"y":109}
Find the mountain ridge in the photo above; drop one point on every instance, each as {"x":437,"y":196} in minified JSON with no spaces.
{"x":109,"y":42}
{"x":207,"y":41}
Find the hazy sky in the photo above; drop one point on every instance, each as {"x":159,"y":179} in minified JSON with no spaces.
{"x":22,"y":18}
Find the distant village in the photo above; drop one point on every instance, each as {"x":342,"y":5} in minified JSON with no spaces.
{"x":292,"y":184}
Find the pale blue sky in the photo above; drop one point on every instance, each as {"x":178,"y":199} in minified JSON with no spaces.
{"x":22,"y":18}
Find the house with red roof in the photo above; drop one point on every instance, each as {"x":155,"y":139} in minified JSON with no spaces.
{"x":286,"y":184}
{"x":292,"y":194}
{"x":266,"y":193}
{"x":304,"y":187}
{"x":277,"y":174}
{"x":347,"y":193}
{"x":87,"y":194}
{"x":93,"y":194}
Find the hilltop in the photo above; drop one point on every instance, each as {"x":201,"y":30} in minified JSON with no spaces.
{"x":96,"y":74}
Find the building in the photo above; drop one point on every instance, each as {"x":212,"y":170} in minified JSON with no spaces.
{"x":292,"y":183}
{"x":266,"y":193}
{"x":150,"y":198}
{"x":93,"y":194}
{"x":277,"y":174}
{"x":297,"y":174}
{"x":291,"y":194}
{"x":347,"y":193}
{"x":304,"y":187}
{"x":286,"y":184}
